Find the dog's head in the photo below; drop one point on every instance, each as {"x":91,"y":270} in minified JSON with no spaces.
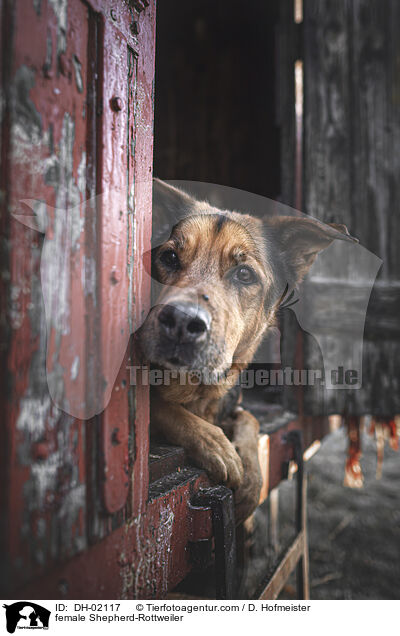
{"x":223,"y":275}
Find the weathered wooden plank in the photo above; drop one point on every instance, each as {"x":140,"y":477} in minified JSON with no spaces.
{"x":56,"y":154}
{"x":376,"y":187}
{"x":291,"y":172}
{"x":286,"y":566}
{"x":157,"y":550}
{"x":376,"y":129}
{"x":327,"y":150}
{"x":44,"y":463}
{"x":351,"y":131}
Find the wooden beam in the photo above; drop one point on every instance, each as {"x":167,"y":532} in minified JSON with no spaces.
{"x":284,"y":569}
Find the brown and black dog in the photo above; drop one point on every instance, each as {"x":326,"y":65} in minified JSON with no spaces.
{"x":223,"y":274}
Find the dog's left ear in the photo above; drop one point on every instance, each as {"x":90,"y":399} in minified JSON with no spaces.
{"x":170,"y":204}
{"x":300,"y":239}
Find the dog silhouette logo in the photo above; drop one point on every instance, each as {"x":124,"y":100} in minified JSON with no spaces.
{"x":331,"y":307}
{"x":26,"y":615}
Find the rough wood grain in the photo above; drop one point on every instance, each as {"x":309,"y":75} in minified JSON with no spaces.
{"x":351,"y":167}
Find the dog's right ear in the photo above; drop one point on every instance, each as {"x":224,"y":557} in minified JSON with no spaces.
{"x":299,"y":240}
{"x":170,"y":204}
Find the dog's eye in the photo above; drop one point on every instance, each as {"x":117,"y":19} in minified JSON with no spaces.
{"x":245,"y":275}
{"x":170,"y":259}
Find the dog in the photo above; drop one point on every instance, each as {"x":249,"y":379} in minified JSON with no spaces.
{"x":223,"y":275}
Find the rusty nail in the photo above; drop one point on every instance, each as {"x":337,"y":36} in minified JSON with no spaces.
{"x":113,"y":14}
{"x":41,"y":450}
{"x":117,"y":104}
{"x":116,"y":437}
{"x":114,"y":276}
{"x":134,"y":27}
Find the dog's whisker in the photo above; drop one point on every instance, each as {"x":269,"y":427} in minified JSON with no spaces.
{"x":285,"y":302}
{"x":285,"y":291}
{"x":285,"y":306}
{"x":289,"y":298}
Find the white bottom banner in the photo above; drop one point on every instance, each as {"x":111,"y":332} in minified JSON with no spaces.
{"x":177,"y":616}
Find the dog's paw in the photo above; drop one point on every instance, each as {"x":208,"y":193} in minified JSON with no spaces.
{"x":217,"y":455}
{"x":247,"y":496}
{"x":245,"y":440}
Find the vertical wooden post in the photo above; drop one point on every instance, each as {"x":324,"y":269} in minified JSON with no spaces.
{"x":303,"y":575}
{"x":273,"y":519}
{"x":302,"y":570}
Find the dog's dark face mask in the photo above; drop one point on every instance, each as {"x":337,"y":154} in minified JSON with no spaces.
{"x":221,"y":277}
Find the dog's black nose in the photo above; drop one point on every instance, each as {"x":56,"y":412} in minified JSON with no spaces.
{"x":185,"y":322}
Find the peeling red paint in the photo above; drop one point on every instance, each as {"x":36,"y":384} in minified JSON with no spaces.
{"x":142,"y":559}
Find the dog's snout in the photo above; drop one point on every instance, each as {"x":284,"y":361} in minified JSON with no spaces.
{"x":184,"y":322}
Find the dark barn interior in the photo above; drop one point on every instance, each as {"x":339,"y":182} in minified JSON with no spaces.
{"x":216,"y":111}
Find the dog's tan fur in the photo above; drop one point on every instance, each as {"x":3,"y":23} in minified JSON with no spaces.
{"x":211,"y":245}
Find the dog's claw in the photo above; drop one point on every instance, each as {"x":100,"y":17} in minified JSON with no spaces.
{"x":217,"y":455}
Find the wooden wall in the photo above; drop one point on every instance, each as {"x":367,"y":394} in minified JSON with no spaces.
{"x":351,"y":164}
